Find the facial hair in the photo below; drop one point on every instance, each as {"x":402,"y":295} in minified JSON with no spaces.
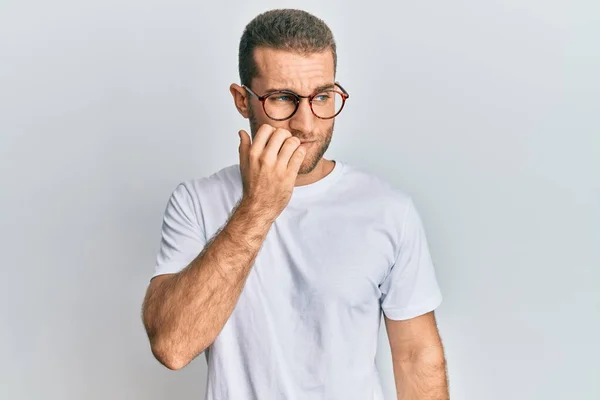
{"x":312,"y":158}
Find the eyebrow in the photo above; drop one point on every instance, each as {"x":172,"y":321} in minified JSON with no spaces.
{"x":316,"y":90}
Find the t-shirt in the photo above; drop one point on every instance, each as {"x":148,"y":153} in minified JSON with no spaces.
{"x":306,"y":324}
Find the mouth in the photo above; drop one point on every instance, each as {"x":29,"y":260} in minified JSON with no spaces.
{"x":306,"y":144}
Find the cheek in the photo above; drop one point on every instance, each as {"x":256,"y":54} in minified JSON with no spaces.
{"x":325,"y":128}
{"x":259,"y":118}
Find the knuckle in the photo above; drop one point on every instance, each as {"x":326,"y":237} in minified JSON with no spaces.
{"x":293,"y":140}
{"x":265,"y":158}
{"x":282,"y":132}
{"x":264,"y":130}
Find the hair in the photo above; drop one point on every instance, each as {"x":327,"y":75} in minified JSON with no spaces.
{"x":283,"y":29}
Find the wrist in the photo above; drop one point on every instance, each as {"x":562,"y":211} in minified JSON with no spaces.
{"x":253,"y":213}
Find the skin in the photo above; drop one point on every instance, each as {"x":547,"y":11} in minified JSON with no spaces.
{"x":183,"y":313}
{"x":420,"y":370}
{"x":301,"y":74}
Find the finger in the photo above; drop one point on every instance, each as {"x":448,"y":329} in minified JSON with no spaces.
{"x":296,"y":161}
{"x":261,"y":138}
{"x":274,"y":145}
{"x":287,"y":150}
{"x":244,"y":147}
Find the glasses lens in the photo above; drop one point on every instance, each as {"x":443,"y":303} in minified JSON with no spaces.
{"x":327,"y":104}
{"x":280,"y":105}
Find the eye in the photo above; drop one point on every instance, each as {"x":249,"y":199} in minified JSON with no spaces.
{"x":282,"y":98}
{"x":321,"y":97}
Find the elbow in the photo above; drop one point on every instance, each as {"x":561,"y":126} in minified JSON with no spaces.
{"x":171,"y":356}
{"x":171,"y":349}
{"x":164,"y":347}
{"x":174,"y":363}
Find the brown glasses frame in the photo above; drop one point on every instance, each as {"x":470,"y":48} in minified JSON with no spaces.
{"x":298,"y":97}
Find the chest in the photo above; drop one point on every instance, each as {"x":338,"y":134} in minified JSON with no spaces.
{"x":320,"y":258}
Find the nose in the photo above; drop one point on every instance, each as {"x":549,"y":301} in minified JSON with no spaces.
{"x":304,"y":119}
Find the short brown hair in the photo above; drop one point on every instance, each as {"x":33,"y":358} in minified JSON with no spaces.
{"x":283,"y":29}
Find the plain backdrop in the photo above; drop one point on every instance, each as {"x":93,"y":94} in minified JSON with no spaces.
{"x":486,"y":112}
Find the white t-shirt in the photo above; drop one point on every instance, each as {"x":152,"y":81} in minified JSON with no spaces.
{"x":306,"y":324}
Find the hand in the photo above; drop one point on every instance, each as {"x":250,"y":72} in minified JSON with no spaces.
{"x":269,"y":167}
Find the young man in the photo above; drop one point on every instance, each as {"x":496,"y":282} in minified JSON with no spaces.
{"x":279,"y":267}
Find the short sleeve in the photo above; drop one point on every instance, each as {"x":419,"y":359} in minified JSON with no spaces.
{"x":411,"y":288}
{"x":182,"y":236}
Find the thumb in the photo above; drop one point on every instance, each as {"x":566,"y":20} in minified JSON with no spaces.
{"x":244,"y":138}
{"x":244,"y":145}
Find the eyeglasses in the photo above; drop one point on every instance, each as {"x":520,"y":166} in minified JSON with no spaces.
{"x":280,"y":105}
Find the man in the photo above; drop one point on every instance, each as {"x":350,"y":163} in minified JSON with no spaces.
{"x":278,"y":268}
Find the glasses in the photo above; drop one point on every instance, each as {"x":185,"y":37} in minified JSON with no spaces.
{"x":280,"y":105}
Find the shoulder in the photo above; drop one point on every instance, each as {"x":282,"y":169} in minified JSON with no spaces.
{"x":225,"y":179}
{"x":381,"y":191}
{"x":217,"y":188}
{"x":388,"y":205}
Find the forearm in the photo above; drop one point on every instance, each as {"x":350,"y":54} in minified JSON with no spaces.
{"x":187,"y":311}
{"x":422,"y":376}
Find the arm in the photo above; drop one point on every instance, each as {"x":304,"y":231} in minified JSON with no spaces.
{"x":418,"y":358}
{"x":184,"y":312}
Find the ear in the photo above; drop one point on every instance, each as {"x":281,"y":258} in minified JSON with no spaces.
{"x":240,"y":99}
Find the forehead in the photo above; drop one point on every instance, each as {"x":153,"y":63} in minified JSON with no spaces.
{"x":284,"y":69}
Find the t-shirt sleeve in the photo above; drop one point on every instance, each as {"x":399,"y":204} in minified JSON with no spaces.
{"x":182,"y":236}
{"x":411,"y":288}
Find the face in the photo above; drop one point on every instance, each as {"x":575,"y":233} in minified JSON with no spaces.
{"x":280,"y":69}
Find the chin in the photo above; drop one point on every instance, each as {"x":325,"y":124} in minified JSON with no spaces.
{"x":307,"y":167}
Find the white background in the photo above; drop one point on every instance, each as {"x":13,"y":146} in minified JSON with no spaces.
{"x":486,"y":112}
